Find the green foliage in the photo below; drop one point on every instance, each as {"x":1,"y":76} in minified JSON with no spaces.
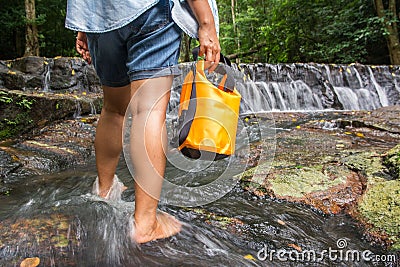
{"x":304,"y":31}
{"x":274,"y":31}
{"x":4,"y":98}
{"x":25,"y":103}
{"x":54,"y":38}
{"x":14,"y":123}
{"x":11,"y":127}
{"x":13,"y":29}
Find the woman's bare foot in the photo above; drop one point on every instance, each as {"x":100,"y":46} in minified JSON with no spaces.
{"x":164,"y":226}
{"x":105,"y":193}
{"x":112,"y":192}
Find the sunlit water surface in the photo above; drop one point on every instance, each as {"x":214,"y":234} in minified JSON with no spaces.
{"x":101,"y":230}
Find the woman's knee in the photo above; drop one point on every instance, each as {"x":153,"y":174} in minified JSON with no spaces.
{"x":116,"y":100}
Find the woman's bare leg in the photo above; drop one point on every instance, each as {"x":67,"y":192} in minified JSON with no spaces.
{"x":148,"y":137}
{"x":108,"y":141}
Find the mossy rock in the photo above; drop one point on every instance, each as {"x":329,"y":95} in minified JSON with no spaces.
{"x":301,"y":181}
{"x":330,"y":188}
{"x":369,"y":163}
{"x":392,"y":161}
{"x":380,"y":208}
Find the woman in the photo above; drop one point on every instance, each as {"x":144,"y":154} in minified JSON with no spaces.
{"x":134,"y":45}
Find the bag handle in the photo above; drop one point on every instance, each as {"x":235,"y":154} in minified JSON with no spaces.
{"x":227,"y":83}
{"x":223,"y":59}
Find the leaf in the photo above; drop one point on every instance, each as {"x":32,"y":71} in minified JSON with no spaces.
{"x":30,"y":262}
{"x":296,"y":247}
{"x":249,"y":257}
{"x":281,"y":222}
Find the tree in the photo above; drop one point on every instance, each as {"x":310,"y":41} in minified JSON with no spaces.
{"x":273,"y":31}
{"x":32,"y":40}
{"x":12,"y":41}
{"x":389,"y":19}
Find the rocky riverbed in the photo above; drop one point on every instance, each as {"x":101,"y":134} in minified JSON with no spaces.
{"x":336,"y":162}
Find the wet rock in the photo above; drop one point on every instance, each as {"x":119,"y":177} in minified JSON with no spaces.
{"x":379,"y":210}
{"x":72,"y":74}
{"x":330,"y":188}
{"x":22,"y":112}
{"x":58,"y":146}
{"x":54,"y":237}
{"x":9,"y":166}
{"x":21,"y":74}
{"x":48,"y":74}
{"x":337,"y":162}
{"x":392,"y":161}
{"x":30,"y":65}
{"x":384,"y":119}
{"x":220,"y":221}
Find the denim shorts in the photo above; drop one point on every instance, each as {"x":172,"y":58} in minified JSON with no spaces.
{"x":148,"y":47}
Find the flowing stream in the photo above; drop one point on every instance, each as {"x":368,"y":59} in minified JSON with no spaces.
{"x":98,"y":231}
{"x":55,"y":218}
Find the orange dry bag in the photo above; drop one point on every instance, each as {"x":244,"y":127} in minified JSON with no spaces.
{"x":208,"y":114}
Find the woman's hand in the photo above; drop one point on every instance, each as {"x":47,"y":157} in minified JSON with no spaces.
{"x":209,"y":43}
{"x":209,"y":46}
{"x":82,"y":48}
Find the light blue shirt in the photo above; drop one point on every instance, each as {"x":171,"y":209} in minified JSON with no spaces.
{"x":98,"y":16}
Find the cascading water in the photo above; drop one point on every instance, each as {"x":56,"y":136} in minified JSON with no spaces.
{"x":276,"y":87}
{"x":47,"y":74}
{"x":320,"y":87}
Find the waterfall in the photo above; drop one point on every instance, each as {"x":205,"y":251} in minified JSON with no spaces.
{"x":306,"y":87}
{"x":322,"y":86}
{"x":78,"y":110}
{"x":47,"y":74}
{"x":382,"y":96}
{"x":264,"y":87}
{"x":93,"y":110}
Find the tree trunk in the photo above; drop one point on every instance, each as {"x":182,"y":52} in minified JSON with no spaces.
{"x":392,"y":38}
{"x":185,"y":50}
{"x":235,"y":29}
{"x":32,"y":41}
